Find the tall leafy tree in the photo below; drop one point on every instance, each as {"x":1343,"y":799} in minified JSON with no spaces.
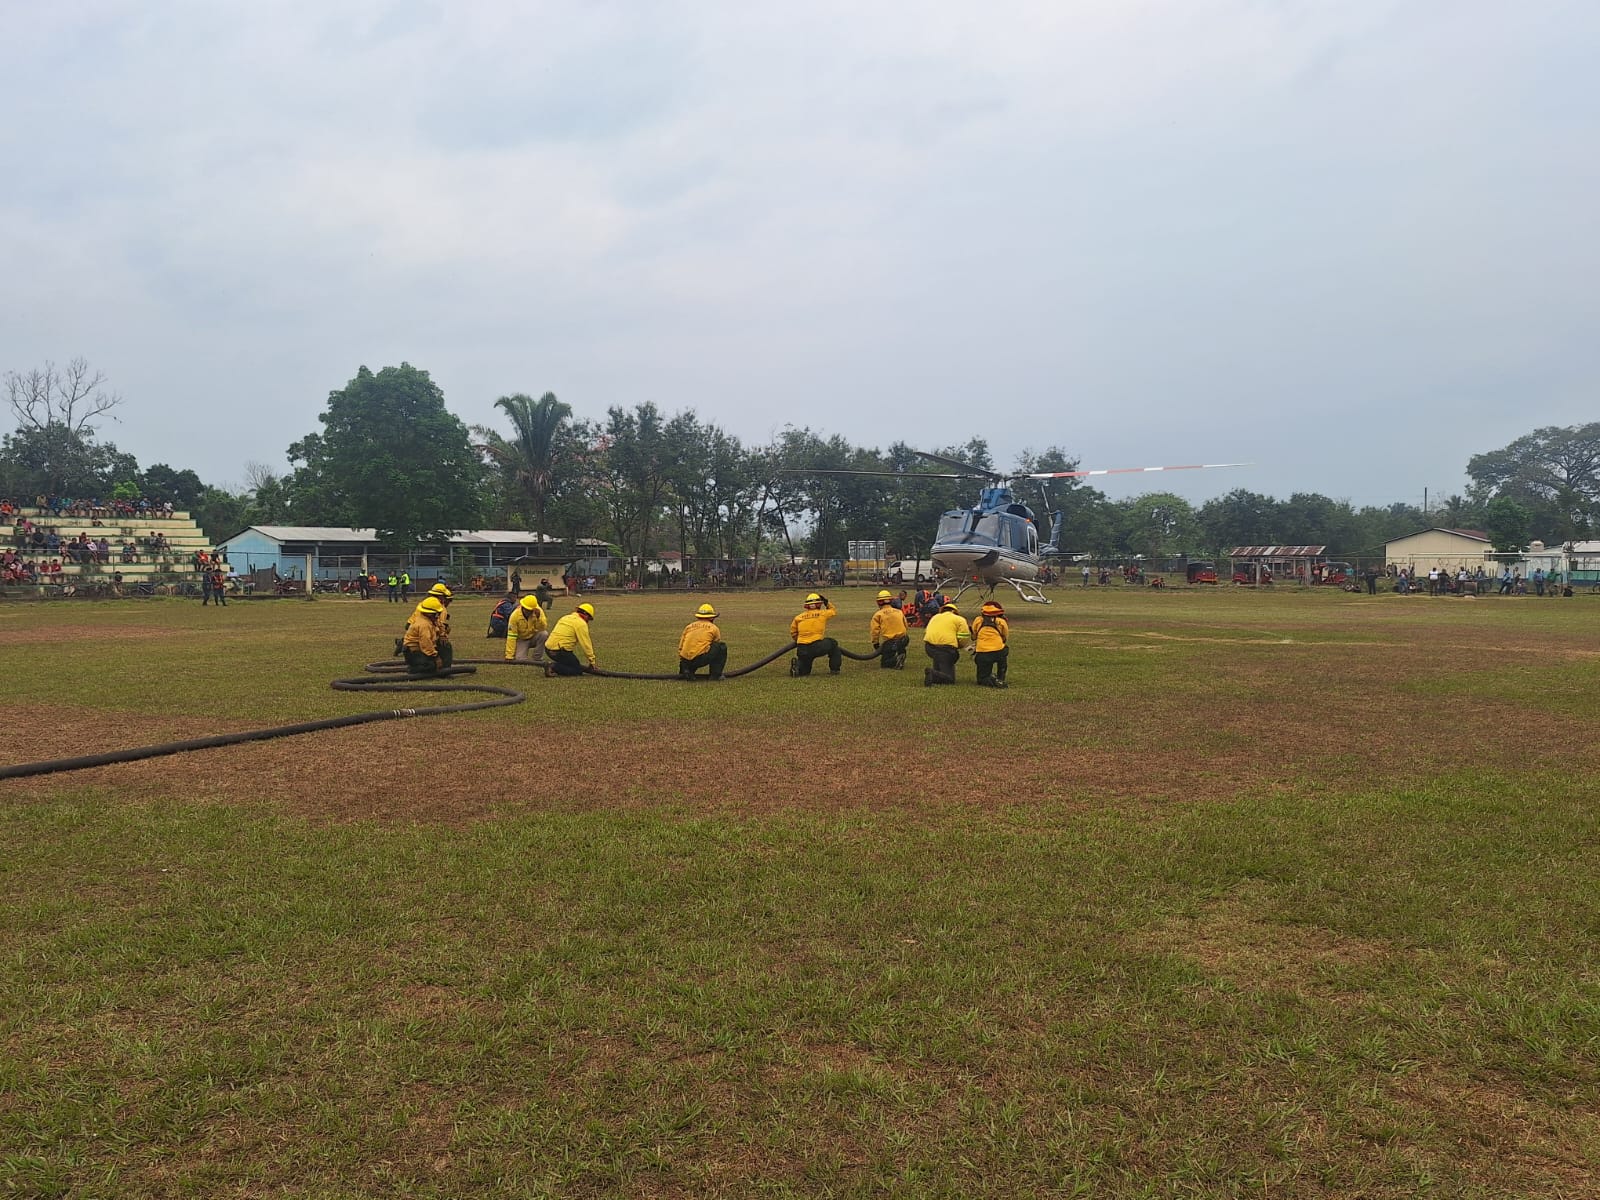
{"x":633,"y":477}
{"x":1554,"y":472}
{"x":529,"y":460}
{"x":1508,"y":525}
{"x":390,"y":455}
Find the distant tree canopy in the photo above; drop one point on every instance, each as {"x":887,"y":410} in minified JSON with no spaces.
{"x":390,"y":456}
{"x":1553,"y":473}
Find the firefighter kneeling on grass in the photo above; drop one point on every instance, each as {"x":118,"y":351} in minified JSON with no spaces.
{"x":942,"y":641}
{"x":444,"y":651}
{"x":421,"y":643}
{"x":888,"y":630}
{"x":809,"y":631}
{"x":526,"y":632}
{"x":989,"y":650}
{"x":701,"y":645}
{"x":570,"y":635}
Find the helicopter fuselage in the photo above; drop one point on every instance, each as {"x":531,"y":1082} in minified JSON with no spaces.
{"x":994,"y":541}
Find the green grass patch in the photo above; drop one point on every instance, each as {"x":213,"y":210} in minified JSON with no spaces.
{"x":1227,"y":917}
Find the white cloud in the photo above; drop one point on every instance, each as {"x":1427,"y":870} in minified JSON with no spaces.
{"x":1143,"y":230}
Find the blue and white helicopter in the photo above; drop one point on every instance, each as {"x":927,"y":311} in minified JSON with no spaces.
{"x":997,"y":540}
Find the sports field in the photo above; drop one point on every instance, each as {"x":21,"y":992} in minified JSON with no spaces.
{"x":1275,"y":894}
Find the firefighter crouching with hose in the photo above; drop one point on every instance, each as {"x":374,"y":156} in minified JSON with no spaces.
{"x":526,"y":632}
{"x":445,"y":652}
{"x":421,"y":642}
{"x":809,"y":630}
{"x":570,"y":635}
{"x":701,"y":645}
{"x":942,"y":641}
{"x":989,"y":650}
{"x":888,"y":630}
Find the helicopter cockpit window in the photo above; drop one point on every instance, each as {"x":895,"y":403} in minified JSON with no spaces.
{"x":952,"y":526}
{"x":1033,"y":538}
{"x":989,"y":529}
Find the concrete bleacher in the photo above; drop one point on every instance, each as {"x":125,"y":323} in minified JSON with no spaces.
{"x":175,"y":565}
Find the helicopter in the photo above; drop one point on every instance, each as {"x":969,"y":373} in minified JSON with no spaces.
{"x":997,"y":540}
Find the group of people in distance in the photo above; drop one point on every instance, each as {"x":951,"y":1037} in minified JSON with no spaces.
{"x":943,"y":638}
{"x":427,"y":649}
{"x":530,"y":638}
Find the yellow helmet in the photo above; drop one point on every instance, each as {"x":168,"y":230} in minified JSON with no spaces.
{"x":949,"y":606}
{"x":813,"y":599}
{"x":431,"y":604}
{"x":587,"y":610}
{"x":884,"y":595}
{"x":530,"y":603}
{"x":440,"y":591}
{"x":706,"y":611}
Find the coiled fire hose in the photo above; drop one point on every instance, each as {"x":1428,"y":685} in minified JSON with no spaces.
{"x":386,"y":676}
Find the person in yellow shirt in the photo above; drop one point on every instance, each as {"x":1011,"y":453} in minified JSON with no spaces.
{"x":990,"y":635}
{"x":809,"y":631}
{"x":446,"y":652}
{"x":942,"y":640}
{"x":701,"y":645}
{"x":888,"y":630}
{"x":421,"y":642}
{"x":527,"y":632}
{"x":570,"y":635}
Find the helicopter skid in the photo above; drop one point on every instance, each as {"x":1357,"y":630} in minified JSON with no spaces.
{"x":1026,"y":588}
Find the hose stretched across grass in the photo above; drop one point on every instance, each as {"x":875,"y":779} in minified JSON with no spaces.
{"x":734,"y":674}
{"x":501,"y":696}
{"x":386,"y":676}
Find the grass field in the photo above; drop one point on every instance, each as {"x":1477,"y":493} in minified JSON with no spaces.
{"x":1231,"y":894}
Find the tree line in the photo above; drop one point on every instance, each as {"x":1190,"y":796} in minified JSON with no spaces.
{"x":390,"y":455}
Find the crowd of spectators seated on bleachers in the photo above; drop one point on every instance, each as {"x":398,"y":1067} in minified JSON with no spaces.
{"x":15,"y":569}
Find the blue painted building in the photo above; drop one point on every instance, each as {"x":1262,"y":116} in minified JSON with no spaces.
{"x":321,"y":552}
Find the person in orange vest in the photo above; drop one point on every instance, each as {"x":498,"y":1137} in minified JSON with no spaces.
{"x":888,"y":631}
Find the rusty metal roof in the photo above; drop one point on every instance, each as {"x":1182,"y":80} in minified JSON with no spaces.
{"x":1277,"y":552}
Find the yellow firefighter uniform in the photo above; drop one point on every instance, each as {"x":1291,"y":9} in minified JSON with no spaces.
{"x":525,"y":625}
{"x":571,"y":633}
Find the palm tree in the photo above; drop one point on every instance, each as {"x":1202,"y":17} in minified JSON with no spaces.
{"x":527,"y":458}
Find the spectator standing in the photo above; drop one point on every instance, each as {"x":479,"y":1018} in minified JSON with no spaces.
{"x":394,"y":588}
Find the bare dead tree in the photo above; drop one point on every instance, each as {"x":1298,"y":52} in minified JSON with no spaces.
{"x":67,"y":399}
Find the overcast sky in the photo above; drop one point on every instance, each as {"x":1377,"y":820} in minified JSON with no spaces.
{"x":1351,"y":241}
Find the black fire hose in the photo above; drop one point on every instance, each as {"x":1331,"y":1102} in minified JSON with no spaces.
{"x":734,"y":674}
{"x":502,"y":696}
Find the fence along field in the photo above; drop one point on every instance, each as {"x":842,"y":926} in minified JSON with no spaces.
{"x":1231,"y":893}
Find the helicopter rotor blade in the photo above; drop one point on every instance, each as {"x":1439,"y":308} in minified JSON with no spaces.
{"x":1130,"y":470}
{"x":886,"y":474}
{"x":971,"y":471}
